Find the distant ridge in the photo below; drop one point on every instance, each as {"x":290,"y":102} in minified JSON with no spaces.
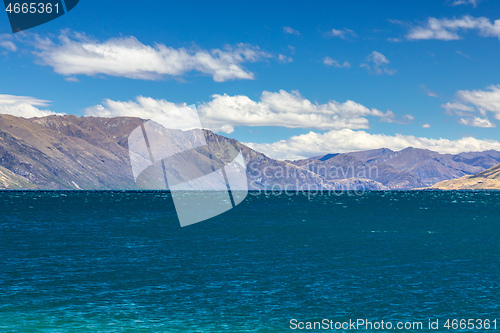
{"x":70,"y":152}
{"x":402,"y":170}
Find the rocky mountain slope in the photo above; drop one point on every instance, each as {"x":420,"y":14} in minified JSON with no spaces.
{"x":65,"y":152}
{"x":486,"y":180}
{"x":69,"y":152}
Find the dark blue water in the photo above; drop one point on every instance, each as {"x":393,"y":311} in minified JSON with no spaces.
{"x":119,"y":262}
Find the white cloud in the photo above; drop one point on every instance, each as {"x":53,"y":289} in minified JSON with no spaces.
{"x":488,"y":100}
{"x":341,"y":33}
{"x":167,"y":113}
{"x":290,"y":31}
{"x":455,"y":107}
{"x":379,"y":64}
{"x":470,"y":103}
{"x":77,"y":54}
{"x":426,"y":125}
{"x":465,"y":2}
{"x":224,"y":112}
{"x":447,"y":29}
{"x":332,"y":62}
{"x":23,"y":106}
{"x":346,"y":140}
{"x":6,"y":42}
{"x":284,"y":59}
{"x":477,"y":122}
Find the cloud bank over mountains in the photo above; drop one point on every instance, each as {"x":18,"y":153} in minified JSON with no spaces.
{"x":285,"y":109}
{"x":343,"y":122}
{"x":346,"y":140}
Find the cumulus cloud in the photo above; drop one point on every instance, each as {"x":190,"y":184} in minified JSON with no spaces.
{"x":287,"y":110}
{"x":347,"y":140}
{"x":377,"y":63}
{"x":23,"y":106}
{"x":290,"y":31}
{"x":76,"y":54}
{"x":224,"y":112}
{"x":171,"y":115}
{"x":7,"y":42}
{"x":332,"y":62}
{"x":488,"y":100}
{"x":448,"y":29}
{"x":341,"y":33}
{"x":475,"y":106}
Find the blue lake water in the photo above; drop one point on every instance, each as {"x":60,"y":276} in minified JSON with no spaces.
{"x":120,"y":262}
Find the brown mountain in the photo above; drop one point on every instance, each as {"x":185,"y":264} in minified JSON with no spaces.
{"x":486,"y":180}
{"x":66,"y":152}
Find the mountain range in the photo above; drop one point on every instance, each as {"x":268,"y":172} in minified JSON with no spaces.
{"x":70,"y":152}
{"x":401,"y":170}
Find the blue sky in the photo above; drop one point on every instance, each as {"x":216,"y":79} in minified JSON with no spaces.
{"x":291,"y":78}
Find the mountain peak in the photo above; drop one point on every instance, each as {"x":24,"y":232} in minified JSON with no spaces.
{"x":414,"y":149}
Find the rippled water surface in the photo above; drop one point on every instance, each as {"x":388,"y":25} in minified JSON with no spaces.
{"x":119,"y":261}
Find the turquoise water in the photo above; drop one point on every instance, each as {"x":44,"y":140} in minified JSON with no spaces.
{"x":119,"y":261}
